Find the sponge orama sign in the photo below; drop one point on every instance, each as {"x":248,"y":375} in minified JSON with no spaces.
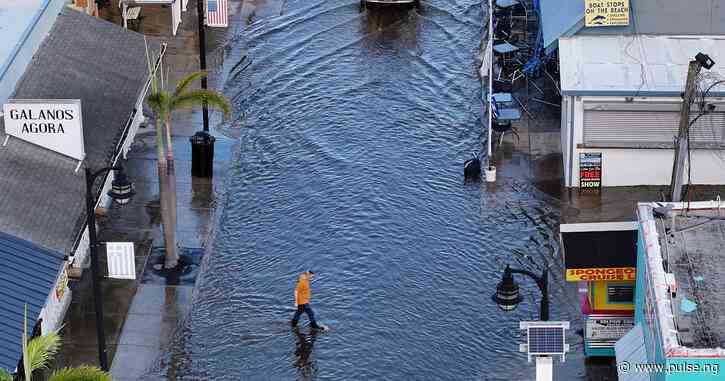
{"x":53,"y":124}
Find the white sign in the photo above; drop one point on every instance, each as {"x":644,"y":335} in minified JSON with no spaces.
{"x":53,"y":124}
{"x":121,"y":260}
{"x":607,"y":328}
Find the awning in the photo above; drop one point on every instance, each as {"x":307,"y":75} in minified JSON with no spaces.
{"x":27,"y":276}
{"x":630,"y":349}
{"x":559,"y":17}
{"x":600,"y":250}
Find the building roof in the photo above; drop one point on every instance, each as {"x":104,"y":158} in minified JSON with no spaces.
{"x":16,"y":17}
{"x":691,"y":247}
{"x":34,"y":271}
{"x":103,"y":65}
{"x":23,"y":25}
{"x":644,"y":65}
{"x":652,"y":17}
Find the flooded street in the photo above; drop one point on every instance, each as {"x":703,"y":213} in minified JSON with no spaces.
{"x":353,"y":127}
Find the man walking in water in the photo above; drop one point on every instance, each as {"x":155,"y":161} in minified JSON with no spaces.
{"x":302,"y":299}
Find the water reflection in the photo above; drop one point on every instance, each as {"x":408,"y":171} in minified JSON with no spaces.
{"x":305,"y":364}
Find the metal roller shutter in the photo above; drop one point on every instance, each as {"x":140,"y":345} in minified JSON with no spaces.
{"x":648,"y":127}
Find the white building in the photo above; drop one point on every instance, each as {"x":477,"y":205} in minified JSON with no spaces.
{"x":621,"y":80}
{"x":622,"y":98}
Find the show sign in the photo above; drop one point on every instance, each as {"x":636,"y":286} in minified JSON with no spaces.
{"x":53,"y":124}
{"x":590,"y":170}
{"x":606,"y":13}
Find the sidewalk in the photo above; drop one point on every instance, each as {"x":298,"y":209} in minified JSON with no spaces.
{"x":141,"y":316}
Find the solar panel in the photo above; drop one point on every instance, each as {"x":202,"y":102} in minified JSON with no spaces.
{"x":546,"y":340}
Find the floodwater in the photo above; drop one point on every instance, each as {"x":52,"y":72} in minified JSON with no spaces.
{"x":353,"y":127}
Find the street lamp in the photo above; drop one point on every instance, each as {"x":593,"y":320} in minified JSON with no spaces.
{"x":121,"y":191}
{"x":507,"y":292}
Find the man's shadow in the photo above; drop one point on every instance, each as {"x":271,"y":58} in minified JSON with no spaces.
{"x":303,"y":353}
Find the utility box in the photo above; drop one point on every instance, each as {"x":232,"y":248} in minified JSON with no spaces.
{"x":202,"y":154}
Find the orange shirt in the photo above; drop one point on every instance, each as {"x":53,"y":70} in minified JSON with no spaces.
{"x":302,"y":292}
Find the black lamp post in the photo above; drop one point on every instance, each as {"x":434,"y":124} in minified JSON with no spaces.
{"x":121,"y":191}
{"x":507,"y":292}
{"x":202,"y":57}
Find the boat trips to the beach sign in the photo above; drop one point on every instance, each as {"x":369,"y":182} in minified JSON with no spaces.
{"x":606,"y":13}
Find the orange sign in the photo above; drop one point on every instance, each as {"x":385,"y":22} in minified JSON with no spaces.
{"x":613,"y":273}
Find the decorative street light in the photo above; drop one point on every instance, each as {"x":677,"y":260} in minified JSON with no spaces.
{"x":121,"y":191}
{"x":507,"y":292}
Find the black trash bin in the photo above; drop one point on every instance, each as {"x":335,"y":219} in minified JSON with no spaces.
{"x":202,"y":154}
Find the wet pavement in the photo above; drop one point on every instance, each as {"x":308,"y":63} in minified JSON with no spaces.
{"x":141,"y":316}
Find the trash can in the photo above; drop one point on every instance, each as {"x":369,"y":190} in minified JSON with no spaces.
{"x":202,"y":154}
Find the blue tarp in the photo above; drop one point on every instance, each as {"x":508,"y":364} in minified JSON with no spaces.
{"x":28,"y":274}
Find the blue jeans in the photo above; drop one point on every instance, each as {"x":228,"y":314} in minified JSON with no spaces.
{"x":306,"y":309}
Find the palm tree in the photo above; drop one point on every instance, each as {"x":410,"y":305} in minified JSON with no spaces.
{"x":164,"y":102}
{"x":38,"y":352}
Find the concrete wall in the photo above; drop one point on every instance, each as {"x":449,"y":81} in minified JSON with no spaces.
{"x":631,"y":166}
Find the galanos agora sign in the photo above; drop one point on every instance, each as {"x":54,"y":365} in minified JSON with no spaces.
{"x":53,"y":124}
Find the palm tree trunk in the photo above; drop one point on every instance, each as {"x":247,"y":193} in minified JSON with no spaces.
{"x":169,"y":228}
{"x":172,"y":260}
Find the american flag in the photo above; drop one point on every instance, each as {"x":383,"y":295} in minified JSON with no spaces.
{"x":216,"y":13}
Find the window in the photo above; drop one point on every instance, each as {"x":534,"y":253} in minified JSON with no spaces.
{"x":620,"y":294}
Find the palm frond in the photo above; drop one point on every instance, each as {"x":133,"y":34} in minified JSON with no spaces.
{"x":5,"y":375}
{"x":41,"y":350}
{"x":83,"y":373}
{"x":159,"y":101}
{"x":192,"y":98}
{"x":188,"y":80}
{"x":26,"y":355}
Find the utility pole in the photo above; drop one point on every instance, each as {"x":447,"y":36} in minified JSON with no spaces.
{"x":202,"y":57}
{"x":682,"y":146}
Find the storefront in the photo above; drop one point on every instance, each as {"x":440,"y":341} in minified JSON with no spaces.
{"x":624,"y":105}
{"x":622,"y":68}
{"x":72,"y":107}
{"x":601,"y":258}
